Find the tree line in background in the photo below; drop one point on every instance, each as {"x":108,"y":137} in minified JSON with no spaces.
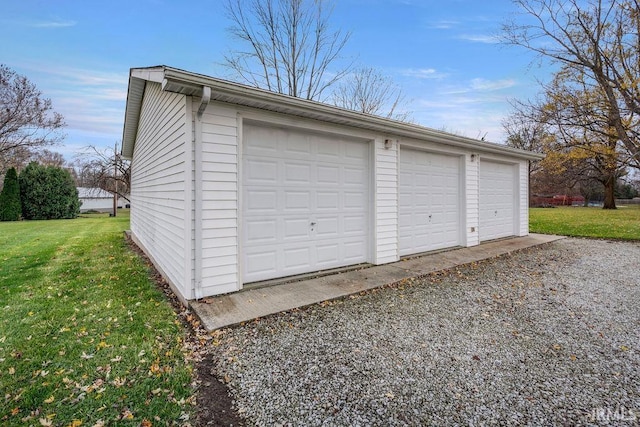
{"x":38,"y":183}
{"x":587,"y":118}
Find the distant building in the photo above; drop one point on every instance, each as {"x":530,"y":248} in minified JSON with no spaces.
{"x":96,"y":199}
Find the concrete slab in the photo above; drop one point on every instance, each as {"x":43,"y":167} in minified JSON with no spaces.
{"x":226,"y":310}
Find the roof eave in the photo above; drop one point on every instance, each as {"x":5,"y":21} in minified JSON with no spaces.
{"x":191,"y":84}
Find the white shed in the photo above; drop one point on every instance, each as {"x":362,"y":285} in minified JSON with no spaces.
{"x":232,"y":185}
{"x":96,"y":199}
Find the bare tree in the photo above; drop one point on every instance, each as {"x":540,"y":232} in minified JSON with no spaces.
{"x":289,"y":46}
{"x":27,"y":120}
{"x":368,"y":91}
{"x":104,"y":168}
{"x":50,"y":158}
{"x":596,"y":41}
{"x":526,"y":131}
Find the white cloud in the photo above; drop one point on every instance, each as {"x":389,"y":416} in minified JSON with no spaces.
{"x":479,"y":38}
{"x":491,"y":85}
{"x":92,"y":101}
{"x":472,"y":117}
{"x":423,"y":73}
{"x":443,"y":24}
{"x":54,"y":23}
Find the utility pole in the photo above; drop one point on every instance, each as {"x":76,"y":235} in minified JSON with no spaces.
{"x":115,"y":178}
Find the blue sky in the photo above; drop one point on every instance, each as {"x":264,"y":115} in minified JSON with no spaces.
{"x":443,"y":53}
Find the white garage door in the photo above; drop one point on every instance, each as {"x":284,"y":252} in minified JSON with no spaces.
{"x":429,"y":202}
{"x":305,"y":202}
{"x":497,"y":200}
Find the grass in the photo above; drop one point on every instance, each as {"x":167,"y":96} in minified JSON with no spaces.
{"x":85,"y":336}
{"x":622,"y":223}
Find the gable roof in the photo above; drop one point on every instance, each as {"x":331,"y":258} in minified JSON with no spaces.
{"x":192,"y":84}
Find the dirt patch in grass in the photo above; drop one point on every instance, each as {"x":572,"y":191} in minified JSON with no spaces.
{"x":214,"y":405}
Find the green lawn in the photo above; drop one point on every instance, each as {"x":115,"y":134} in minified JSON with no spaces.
{"x":85,"y":337}
{"x":622,"y":223}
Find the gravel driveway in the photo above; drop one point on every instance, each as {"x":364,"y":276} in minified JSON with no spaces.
{"x":546,"y":336}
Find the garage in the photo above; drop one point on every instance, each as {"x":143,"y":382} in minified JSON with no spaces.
{"x":429,"y":201}
{"x":268,"y":186}
{"x":305,"y":199}
{"x":498,"y":209}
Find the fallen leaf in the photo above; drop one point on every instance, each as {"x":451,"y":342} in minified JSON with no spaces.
{"x":45,"y":422}
{"x":50,"y":399}
{"x":86,"y":356}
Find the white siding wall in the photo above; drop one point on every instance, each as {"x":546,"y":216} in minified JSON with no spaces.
{"x":386,"y":202}
{"x":219,"y":204}
{"x":98,"y":204}
{"x":472,"y":200}
{"x":158,"y":204}
{"x":523,"y":228}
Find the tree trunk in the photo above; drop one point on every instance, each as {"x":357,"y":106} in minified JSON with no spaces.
{"x":609,"y":193}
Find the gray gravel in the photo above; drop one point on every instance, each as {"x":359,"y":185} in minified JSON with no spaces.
{"x":547,"y":336}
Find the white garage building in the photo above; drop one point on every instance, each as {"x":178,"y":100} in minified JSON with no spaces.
{"x":232,"y":185}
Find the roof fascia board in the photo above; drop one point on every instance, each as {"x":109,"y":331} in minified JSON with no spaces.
{"x":192,"y":83}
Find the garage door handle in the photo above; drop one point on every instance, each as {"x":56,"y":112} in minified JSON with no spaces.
{"x":313,"y":224}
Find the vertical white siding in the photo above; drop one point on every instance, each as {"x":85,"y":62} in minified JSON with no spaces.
{"x":472,"y":199}
{"x":219,"y":206}
{"x":386,"y":202}
{"x":158,"y":197}
{"x":523,"y":175}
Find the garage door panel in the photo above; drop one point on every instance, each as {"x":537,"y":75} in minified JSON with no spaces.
{"x":354,"y":176}
{"x":295,"y":229}
{"x":328,"y":200}
{"x":296,"y":257}
{"x":262,"y":201}
{"x":293,"y":200}
{"x":327,"y":254}
{"x":262,"y":171}
{"x":297,"y":145}
{"x":353,"y":250}
{"x":429,"y":201}
{"x":296,"y":173}
{"x":261,"y":263}
{"x":320,"y":202}
{"x":354,"y":224}
{"x":327,"y":227}
{"x":356,"y":153}
{"x":261,"y":231}
{"x":328,"y":174}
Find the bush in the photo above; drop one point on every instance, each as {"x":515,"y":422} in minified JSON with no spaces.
{"x":10,"y":206}
{"x":48,"y":192}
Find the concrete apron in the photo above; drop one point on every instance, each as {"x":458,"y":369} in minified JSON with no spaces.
{"x":226,"y":310}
